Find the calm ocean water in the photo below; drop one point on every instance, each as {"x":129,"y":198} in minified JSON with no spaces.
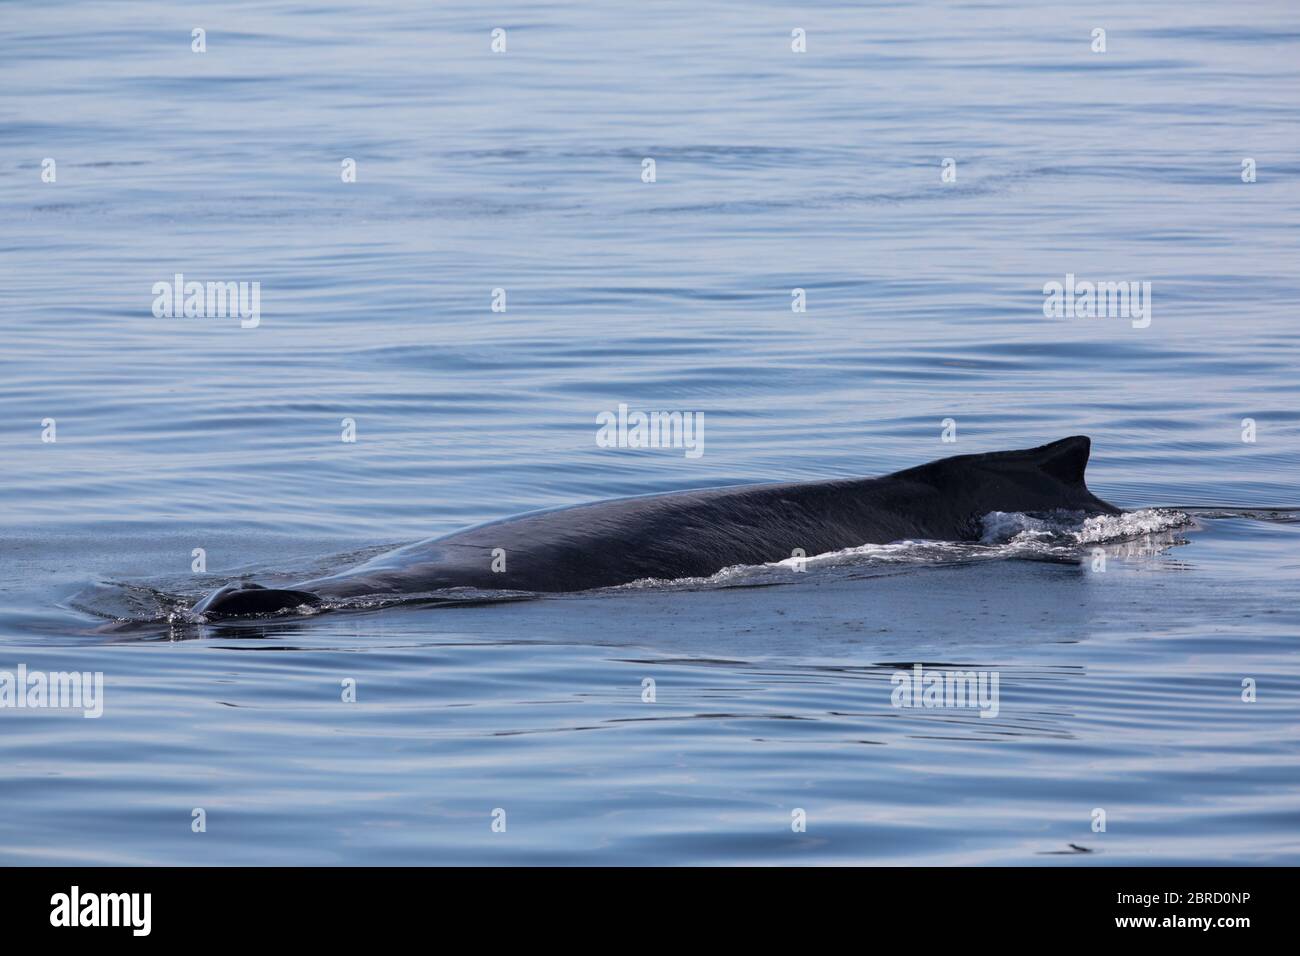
{"x":774,"y":170}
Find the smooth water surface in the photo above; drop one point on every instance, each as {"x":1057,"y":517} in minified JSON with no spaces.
{"x":1120,"y":690}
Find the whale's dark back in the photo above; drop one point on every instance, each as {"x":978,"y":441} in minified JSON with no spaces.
{"x":698,"y":533}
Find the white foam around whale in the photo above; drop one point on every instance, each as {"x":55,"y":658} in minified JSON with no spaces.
{"x":1060,"y":535}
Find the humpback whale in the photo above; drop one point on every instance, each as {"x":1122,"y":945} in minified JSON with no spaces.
{"x":690,"y":534}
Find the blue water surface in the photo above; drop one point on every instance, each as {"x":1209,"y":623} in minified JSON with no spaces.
{"x":522,"y":171}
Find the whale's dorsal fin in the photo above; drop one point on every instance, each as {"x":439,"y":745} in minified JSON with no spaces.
{"x":1054,"y":473}
{"x":1065,"y":460}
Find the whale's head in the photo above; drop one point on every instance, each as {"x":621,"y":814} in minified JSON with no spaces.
{"x":241,"y":598}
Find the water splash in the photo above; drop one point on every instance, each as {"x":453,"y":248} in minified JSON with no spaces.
{"x":1054,"y":536}
{"x":1073,"y":527}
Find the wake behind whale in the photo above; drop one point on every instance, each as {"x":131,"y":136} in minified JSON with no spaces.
{"x":698,"y":535}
